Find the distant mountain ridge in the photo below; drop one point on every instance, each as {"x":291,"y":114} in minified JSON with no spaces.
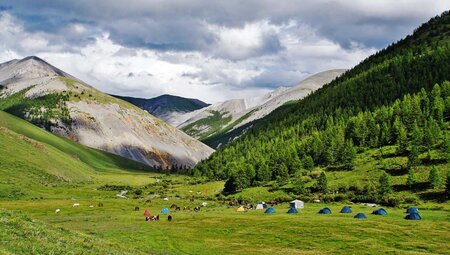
{"x":217,"y":120}
{"x":48,"y":97}
{"x":166,"y":106}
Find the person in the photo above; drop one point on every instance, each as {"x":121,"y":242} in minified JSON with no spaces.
{"x":169,"y":218}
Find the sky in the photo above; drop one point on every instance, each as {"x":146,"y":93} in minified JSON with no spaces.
{"x":210,"y":50}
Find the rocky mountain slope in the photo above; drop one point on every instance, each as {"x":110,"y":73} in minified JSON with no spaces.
{"x":226,"y":116}
{"x":166,"y":107}
{"x":48,"y":97}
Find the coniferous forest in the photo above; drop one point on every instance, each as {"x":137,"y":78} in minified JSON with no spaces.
{"x":398,"y":97}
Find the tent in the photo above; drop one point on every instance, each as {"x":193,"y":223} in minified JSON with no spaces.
{"x":412,"y":210}
{"x":165,"y":210}
{"x":346,"y":209}
{"x":360,"y":216}
{"x":413,"y":216}
{"x":270,"y":210}
{"x":292,"y":210}
{"x":325,"y":210}
{"x":147,"y":213}
{"x":261,"y":206}
{"x":240,"y":209}
{"x":298,"y":204}
{"x":379,"y":211}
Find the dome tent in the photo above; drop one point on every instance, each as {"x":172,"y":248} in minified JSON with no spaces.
{"x":379,"y":211}
{"x":292,"y":210}
{"x":270,"y":210}
{"x":164,"y":210}
{"x":413,"y":216}
{"x":412,"y":210}
{"x":346,"y":209}
{"x":325,"y":210}
{"x":360,"y":216}
{"x":147,"y":213}
{"x":261,"y":206}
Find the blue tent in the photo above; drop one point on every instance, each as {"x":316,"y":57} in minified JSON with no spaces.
{"x":270,"y":210}
{"x":346,"y":209}
{"x":360,"y":216}
{"x":292,"y":210}
{"x":325,"y":210}
{"x":413,"y":216}
{"x":165,"y":210}
{"x":380,"y":211}
{"x":412,"y":210}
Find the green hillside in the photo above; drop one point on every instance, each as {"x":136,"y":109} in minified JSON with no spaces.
{"x":397,"y":98}
{"x":32,"y":159}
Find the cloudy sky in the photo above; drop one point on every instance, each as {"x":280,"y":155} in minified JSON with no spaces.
{"x":211,"y":50}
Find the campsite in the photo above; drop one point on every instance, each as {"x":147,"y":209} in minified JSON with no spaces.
{"x":220,"y":229}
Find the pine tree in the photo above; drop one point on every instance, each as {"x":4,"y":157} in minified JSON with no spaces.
{"x":322,"y":183}
{"x":402,"y":140}
{"x":308,"y":162}
{"x":384,"y":187}
{"x":412,"y":178}
{"x":348,"y":155}
{"x":434,"y":178}
{"x":413,"y":157}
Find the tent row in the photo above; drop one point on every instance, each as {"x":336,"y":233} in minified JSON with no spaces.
{"x":413,"y":213}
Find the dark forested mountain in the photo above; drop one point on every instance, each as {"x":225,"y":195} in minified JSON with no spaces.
{"x":165,"y":106}
{"x":397,"y":97}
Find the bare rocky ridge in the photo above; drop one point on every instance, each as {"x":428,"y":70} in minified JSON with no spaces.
{"x":99,"y":120}
{"x":237,"y":112}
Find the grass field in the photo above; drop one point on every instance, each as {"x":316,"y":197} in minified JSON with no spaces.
{"x":218,"y":229}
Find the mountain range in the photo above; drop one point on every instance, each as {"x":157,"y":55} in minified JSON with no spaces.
{"x":166,"y":107}
{"x":50,"y":98}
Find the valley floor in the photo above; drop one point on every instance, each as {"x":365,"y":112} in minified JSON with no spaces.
{"x":219,"y":229}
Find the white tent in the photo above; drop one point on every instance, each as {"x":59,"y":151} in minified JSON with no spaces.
{"x":261,"y":206}
{"x":298,"y":204}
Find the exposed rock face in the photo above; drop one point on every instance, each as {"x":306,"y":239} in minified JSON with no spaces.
{"x":96,"y":119}
{"x":231,"y":114}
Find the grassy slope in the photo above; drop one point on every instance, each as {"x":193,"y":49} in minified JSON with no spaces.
{"x":33,"y":159}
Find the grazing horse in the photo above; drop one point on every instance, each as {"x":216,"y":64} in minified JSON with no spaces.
{"x":136,"y":209}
